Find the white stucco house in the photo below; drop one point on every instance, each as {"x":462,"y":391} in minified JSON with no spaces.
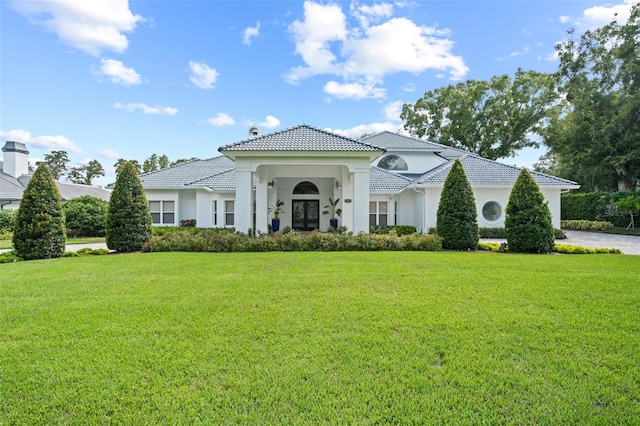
{"x":385,"y":179}
{"x":15,"y":176}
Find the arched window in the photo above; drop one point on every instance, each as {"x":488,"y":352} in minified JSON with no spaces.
{"x":305,"y":188}
{"x":393,"y":162}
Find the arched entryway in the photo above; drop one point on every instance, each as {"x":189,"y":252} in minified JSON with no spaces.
{"x":305,"y":207}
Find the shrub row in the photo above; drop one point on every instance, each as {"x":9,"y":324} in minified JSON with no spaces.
{"x":501,"y":233}
{"x":212,"y":241}
{"x":399,"y":230}
{"x":586,"y":225}
{"x":7,"y":220}
{"x":12,"y":256}
{"x":595,"y":206}
{"x":558,"y":248}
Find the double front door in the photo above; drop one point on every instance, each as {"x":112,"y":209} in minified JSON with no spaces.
{"x":306,"y":215}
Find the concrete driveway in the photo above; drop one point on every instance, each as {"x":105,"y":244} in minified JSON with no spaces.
{"x":628,"y":244}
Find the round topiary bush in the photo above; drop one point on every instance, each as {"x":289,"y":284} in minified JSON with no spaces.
{"x":457,"y":219}
{"x":528,"y":222}
{"x":128,"y":217}
{"x":86,"y":216}
{"x":39,"y":231}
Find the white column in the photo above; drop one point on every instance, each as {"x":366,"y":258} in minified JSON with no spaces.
{"x":262,"y":206}
{"x":361,"y":200}
{"x":347,"y":200}
{"x":244,"y":202}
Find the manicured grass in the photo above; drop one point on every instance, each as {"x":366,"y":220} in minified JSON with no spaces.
{"x":321,"y":338}
{"x":5,"y":244}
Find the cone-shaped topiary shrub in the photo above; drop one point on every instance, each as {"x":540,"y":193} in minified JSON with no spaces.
{"x":457,"y":220}
{"x":128,"y":218}
{"x":39,"y":228}
{"x":528,"y":220}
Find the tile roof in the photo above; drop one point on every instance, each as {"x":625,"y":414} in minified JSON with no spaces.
{"x":12,"y":189}
{"x":301,"y":138}
{"x":481,"y":171}
{"x":220,"y":182}
{"x":185,"y":173}
{"x":381,"y":180}
{"x":391,"y":141}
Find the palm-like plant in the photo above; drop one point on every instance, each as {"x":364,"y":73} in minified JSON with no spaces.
{"x":332,"y":208}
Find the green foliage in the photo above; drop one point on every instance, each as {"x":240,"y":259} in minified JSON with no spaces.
{"x":528,"y":220}
{"x":399,"y":230}
{"x":586,"y":225}
{"x":277,"y":210}
{"x":39,"y":227}
{"x":494,"y":118}
{"x":128,"y":218}
{"x":7,"y":220}
{"x":10,"y":257}
{"x":332,"y":209}
{"x":501,"y":233}
{"x":211,"y":240}
{"x":86,"y":216}
{"x":57,"y":162}
{"x":84,"y":174}
{"x":571,"y":249}
{"x":629,"y":205}
{"x":597,"y":136}
{"x":457,"y":219}
{"x":596,"y":206}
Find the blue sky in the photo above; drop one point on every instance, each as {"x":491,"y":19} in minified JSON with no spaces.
{"x":109,"y":79}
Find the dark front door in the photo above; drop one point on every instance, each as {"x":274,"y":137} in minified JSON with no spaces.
{"x":306,"y":215}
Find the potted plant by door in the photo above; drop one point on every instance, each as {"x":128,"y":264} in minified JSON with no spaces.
{"x":333,"y":210}
{"x":277,"y":209}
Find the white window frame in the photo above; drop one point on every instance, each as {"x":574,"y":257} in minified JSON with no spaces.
{"x":375,"y":213}
{"x":229,"y":214}
{"x":163,"y":211}
{"x":215,"y":212}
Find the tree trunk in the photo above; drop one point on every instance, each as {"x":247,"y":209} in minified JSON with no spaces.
{"x":625,"y":183}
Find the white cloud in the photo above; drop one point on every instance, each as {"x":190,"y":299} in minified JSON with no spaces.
{"x":117,"y":72}
{"x":368,"y":52}
{"x":270,"y":122}
{"x":50,"y":142}
{"x":202,"y":75}
{"x":110,"y":154}
{"x":250,"y":33}
{"x":597,"y":16}
{"x":353,"y":90}
{"x":393,"y":110}
{"x":524,"y":51}
{"x":88,"y":25}
{"x":564,"y":19}
{"x":373,"y":128}
{"x":366,"y":14}
{"x":146,"y":108}
{"x":221,"y":119}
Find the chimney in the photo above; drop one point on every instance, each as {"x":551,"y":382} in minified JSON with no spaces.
{"x":16,"y":159}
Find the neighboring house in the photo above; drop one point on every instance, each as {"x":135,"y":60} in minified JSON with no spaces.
{"x":15,"y":176}
{"x":385,"y":179}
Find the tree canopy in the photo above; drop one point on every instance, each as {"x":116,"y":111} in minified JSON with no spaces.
{"x":494,"y":119}
{"x":598,"y":135}
{"x":58,"y":163}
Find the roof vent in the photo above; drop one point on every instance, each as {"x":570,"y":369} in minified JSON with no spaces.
{"x":254,"y":132}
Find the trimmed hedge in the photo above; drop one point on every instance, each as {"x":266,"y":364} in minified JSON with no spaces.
{"x":399,"y":230}
{"x":215,"y":241}
{"x":456,"y":218}
{"x":586,"y":225}
{"x":501,"y":233}
{"x":86,"y":216}
{"x":39,"y":231}
{"x":595,"y":206}
{"x":557,"y":248}
{"x":128,"y":219}
{"x":528,"y":222}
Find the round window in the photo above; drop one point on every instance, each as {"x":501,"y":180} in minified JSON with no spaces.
{"x":491,"y":211}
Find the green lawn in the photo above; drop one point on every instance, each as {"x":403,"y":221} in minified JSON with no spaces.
{"x":321,"y":338}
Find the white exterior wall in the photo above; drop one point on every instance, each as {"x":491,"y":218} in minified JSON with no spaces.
{"x":552,"y":195}
{"x":484,"y":195}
